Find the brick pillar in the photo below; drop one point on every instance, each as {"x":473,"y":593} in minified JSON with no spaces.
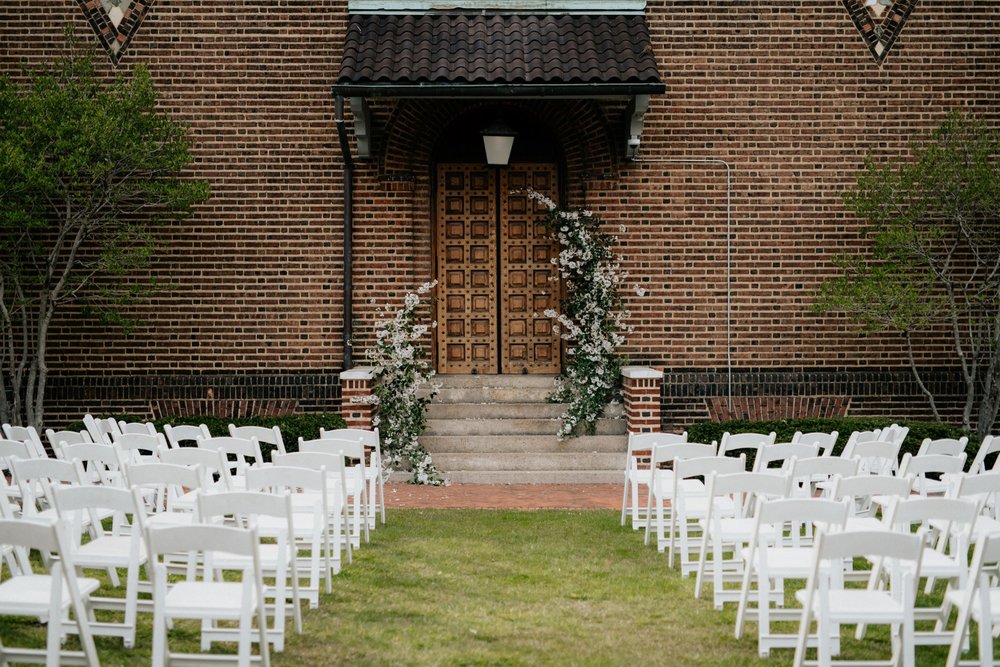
{"x":355,"y":385}
{"x":641,"y":389}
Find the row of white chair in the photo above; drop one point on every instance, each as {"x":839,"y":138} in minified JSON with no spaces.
{"x":243,"y":446}
{"x":878,"y":450}
{"x":748,"y":515}
{"x":174,"y":486}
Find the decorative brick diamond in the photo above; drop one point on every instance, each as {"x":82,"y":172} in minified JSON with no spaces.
{"x":879,"y":22}
{"x":115,"y":22}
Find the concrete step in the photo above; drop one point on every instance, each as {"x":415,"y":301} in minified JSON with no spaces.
{"x":473,"y":381}
{"x":531,"y":394}
{"x":535,"y":477}
{"x":520,"y":461}
{"x":512,"y":410}
{"x":478,"y":426}
{"x":524,"y":444}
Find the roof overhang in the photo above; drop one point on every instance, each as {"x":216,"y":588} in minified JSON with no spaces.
{"x":497,"y":56}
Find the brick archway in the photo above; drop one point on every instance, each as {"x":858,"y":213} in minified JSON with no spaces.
{"x":580,"y":128}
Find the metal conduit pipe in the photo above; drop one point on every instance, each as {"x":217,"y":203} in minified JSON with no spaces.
{"x":729,"y":254}
{"x":345,"y":149}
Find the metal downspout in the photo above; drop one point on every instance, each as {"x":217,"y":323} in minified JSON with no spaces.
{"x":729,"y":254}
{"x":345,"y":149}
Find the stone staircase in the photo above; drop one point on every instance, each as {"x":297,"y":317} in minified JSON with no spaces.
{"x":494,"y":429}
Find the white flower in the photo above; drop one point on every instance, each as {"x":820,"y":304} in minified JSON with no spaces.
{"x":640,"y":290}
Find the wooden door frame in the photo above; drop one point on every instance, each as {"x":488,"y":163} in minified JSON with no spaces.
{"x":562,"y":188}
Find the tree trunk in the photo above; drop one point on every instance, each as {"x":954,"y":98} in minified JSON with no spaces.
{"x":916,"y":375}
{"x":989,"y":405}
{"x":35,"y":398}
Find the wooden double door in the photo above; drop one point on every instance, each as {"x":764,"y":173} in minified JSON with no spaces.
{"x":494,"y":270}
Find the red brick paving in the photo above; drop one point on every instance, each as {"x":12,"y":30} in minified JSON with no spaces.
{"x":504,"y":496}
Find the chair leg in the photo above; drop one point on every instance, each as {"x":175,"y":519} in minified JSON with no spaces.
{"x":625,"y":499}
{"x":131,"y":603}
{"x":741,"y":608}
{"x":985,"y":640}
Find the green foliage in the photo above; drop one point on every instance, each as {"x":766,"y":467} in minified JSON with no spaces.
{"x":933,"y":260}
{"x":593,"y":317}
{"x":88,"y":164}
{"x":403,"y":389}
{"x":786,"y":428}
{"x":293,"y":427}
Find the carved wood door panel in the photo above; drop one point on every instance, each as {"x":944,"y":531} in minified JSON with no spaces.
{"x":466,"y":268}
{"x":493,"y":269}
{"x":526,"y":288}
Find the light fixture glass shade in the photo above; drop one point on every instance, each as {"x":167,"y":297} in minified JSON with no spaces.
{"x":498,"y":140}
{"x":498,"y":149}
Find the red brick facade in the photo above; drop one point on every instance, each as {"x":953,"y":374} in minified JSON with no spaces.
{"x":786,"y":93}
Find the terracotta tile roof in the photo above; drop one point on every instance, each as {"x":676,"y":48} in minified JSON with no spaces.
{"x":497,"y":49}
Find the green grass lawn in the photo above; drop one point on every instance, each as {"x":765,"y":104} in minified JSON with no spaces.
{"x":477,"y":587}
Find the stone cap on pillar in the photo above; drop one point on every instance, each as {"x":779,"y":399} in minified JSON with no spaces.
{"x":359,"y":373}
{"x":641,"y":373}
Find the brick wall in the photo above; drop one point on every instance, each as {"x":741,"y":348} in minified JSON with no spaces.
{"x":785,"y":92}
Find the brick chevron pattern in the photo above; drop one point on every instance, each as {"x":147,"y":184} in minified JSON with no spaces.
{"x":879,"y":32}
{"x":115,"y":38}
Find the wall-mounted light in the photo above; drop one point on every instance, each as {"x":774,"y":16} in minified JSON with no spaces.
{"x":498,"y":140}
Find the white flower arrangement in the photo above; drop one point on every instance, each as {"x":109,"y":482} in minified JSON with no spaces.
{"x":593,"y":317}
{"x":403,"y":387}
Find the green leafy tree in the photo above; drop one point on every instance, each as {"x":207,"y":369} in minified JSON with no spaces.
{"x":87,"y":165}
{"x":933,"y":265}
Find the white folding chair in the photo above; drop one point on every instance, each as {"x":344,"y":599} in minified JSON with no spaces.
{"x":895,"y":433}
{"x":185,"y":435}
{"x":982,"y":489}
{"x":213,"y":465}
{"x":38,"y":478}
{"x":831,"y":604}
{"x":748,"y":444}
{"x":337,"y":499}
{"x":375,"y":470}
{"x":990,"y":445}
{"x":825,"y":441}
{"x":877,"y":457}
{"x":860,"y":489}
{"x":57,"y":439}
{"x":138,"y":428}
{"x":731,"y":531}
{"x":50,"y":597}
{"x":239,"y":452}
{"x":107,"y":549}
{"x":26,"y":434}
{"x":947,"y":446}
{"x":945,"y":467}
{"x":161,"y":486}
{"x":139,"y":447}
{"x":212,"y":598}
{"x":311,"y":509}
{"x":810,"y":474}
{"x":638,"y":472}
{"x":102,"y":463}
{"x":273,"y":516}
{"x":950,"y":564}
{"x":10,"y":450}
{"x":979,"y":601}
{"x":660,"y":488}
{"x":354,"y":465}
{"x":101,"y":430}
{"x":779,"y":552}
{"x":783,"y":453}
{"x":265,"y":436}
{"x":691,"y":505}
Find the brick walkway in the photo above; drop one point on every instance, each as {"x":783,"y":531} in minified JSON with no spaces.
{"x":505,"y":496}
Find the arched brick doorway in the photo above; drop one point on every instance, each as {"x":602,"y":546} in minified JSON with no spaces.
{"x":492,"y":252}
